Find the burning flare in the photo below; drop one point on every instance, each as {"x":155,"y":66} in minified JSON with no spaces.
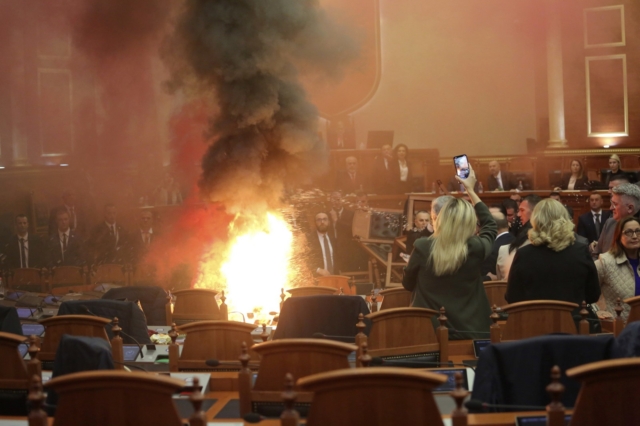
{"x":255,"y":265}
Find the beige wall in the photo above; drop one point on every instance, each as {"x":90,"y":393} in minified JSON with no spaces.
{"x":457,"y":75}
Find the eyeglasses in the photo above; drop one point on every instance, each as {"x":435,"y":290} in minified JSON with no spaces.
{"x":631,"y":232}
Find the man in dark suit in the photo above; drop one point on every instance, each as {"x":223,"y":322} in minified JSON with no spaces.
{"x":351,"y":180}
{"x":144,"y":238}
{"x":385,"y":171}
{"x":109,"y":241}
{"x":352,"y":257}
{"x":499,"y":180}
{"x":322,"y":247}
{"x":77,"y":217}
{"x":590,"y":224}
{"x":24,"y":250}
{"x":64,"y":248}
{"x":504,"y":238}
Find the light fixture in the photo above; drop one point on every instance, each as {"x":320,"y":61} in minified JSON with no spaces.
{"x":607,"y":146}
{"x":64,"y":165}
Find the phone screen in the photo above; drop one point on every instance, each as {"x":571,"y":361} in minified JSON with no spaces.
{"x":462,"y":165}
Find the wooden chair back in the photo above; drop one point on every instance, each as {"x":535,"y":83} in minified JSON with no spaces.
{"x":495,"y":292}
{"x":105,"y":398}
{"x":395,"y":298}
{"x":221,"y":340}
{"x":338,"y":282}
{"x":312,"y":290}
{"x":401,"y":332}
{"x":634,"y":312}
{"x":538,"y":317}
{"x":300,"y":357}
{"x":33,"y":279}
{"x":75,"y":325}
{"x":112,"y":273}
{"x":67,"y":278}
{"x":195,"y":304}
{"x":609,"y":393}
{"x":387,"y":396}
{"x":13,"y":370}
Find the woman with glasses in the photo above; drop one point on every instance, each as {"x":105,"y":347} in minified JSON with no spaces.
{"x":618,"y":268}
{"x":554,"y":266}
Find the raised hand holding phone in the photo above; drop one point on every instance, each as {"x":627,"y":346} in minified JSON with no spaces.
{"x":469,"y":184}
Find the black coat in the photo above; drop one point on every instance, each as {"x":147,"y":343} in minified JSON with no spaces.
{"x":36,"y":253}
{"x":489,"y":264}
{"x":315,"y":259}
{"x":347,"y":186}
{"x":539,"y":273}
{"x":586,"y":226}
{"x":579,"y":185}
{"x":508,"y":180}
{"x":103,"y":247}
{"x":72,"y":257}
{"x":385,"y":179}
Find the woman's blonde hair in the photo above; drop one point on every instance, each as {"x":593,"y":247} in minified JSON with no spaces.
{"x":616,"y":158}
{"x":455,"y":224}
{"x":551,"y":226}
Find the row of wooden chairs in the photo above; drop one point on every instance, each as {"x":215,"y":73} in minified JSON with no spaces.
{"x":61,"y":279}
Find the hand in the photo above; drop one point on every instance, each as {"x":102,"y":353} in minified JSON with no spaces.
{"x":604,"y":314}
{"x":492,"y":276}
{"x":470,"y":182}
{"x":557,"y":189}
{"x":323,"y":272}
{"x":593,"y":246}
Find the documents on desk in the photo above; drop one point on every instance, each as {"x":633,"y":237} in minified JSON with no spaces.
{"x":188,"y":378}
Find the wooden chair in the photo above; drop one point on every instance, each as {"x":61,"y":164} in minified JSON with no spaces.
{"x":105,"y":398}
{"x":76,"y":325}
{"x":195,"y":304}
{"x":405,"y":333}
{"x":300,"y":357}
{"x":538,"y":317}
{"x":373,"y":396}
{"x":220,"y":340}
{"x":338,"y":282}
{"x":111,"y":273}
{"x":13,"y":370}
{"x":67,"y":278}
{"x":312,"y":290}
{"x":31,"y":279}
{"x":395,"y":298}
{"x":495,"y":292}
{"x":609,"y":393}
{"x":634,"y":312}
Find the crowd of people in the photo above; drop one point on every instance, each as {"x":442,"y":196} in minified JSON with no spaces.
{"x":73,"y":241}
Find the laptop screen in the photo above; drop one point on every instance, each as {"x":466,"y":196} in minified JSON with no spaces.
{"x":479,"y":345}
{"x":450,"y":384}
{"x":130,"y":352}
{"x":23,"y":348}
{"x":35,"y":329}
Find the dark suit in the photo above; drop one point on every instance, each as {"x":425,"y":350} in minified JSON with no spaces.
{"x":579,"y":185}
{"x":489,"y":264}
{"x":35,"y":252}
{"x":403,"y":186}
{"x":508,"y":181}
{"x":138,"y":247}
{"x":315,"y":259}
{"x":413,"y":235}
{"x":73,"y":256}
{"x":80,"y":228}
{"x":351,"y":256}
{"x":105,"y":248}
{"x":345,"y":184}
{"x":606,"y":177}
{"x":587,"y":227}
{"x":385,"y":178}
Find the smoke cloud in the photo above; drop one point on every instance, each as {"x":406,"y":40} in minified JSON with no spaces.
{"x":249,"y":53}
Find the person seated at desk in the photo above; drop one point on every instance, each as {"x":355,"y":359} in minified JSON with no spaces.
{"x":24,"y":250}
{"x":618,"y":268}
{"x":615,"y":169}
{"x":444,"y":270}
{"x":576,"y":180}
{"x":422,"y":227}
{"x":64,"y":247}
{"x":499,"y":180}
{"x":554,"y":266}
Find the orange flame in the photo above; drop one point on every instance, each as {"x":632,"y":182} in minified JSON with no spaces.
{"x":253,"y":266}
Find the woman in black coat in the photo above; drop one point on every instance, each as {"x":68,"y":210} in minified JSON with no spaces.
{"x":576,"y":180}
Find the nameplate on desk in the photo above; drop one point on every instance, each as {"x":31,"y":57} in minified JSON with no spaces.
{"x":188,"y":379}
{"x":536,"y":420}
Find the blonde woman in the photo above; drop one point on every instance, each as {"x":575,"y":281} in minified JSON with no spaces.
{"x":554,"y":266}
{"x":615,"y":169}
{"x":445,"y":270}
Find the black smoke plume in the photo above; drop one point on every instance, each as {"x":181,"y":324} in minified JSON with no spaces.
{"x":248,"y":54}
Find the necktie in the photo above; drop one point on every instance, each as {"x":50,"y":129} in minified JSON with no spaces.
{"x":597,"y":223}
{"x":327,"y":253}
{"x":23,"y":255}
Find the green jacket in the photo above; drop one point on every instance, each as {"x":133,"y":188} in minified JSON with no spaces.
{"x":462,"y":293}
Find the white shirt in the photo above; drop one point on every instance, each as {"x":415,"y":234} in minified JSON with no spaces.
{"x":572,"y":183}
{"x":386,"y":163}
{"x":404,"y":171}
{"x":499,"y":180}
{"x":335,"y":227}
{"x":26,"y":250}
{"x":114,"y":228}
{"x":324,"y":255}
{"x":144,"y":233}
{"x":594,"y":213}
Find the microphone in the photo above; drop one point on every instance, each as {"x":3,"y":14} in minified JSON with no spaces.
{"x":253,"y":418}
{"x":348,"y":339}
{"x":475,"y":404}
{"x":121,"y":330}
{"x":376,"y":360}
{"x":217,"y":363}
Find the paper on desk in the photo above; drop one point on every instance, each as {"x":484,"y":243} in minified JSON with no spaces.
{"x":188,"y":378}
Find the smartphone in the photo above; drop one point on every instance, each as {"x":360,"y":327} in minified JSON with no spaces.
{"x":462,"y":166}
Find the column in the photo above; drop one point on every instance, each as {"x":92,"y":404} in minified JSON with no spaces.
{"x":554,"y":78}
